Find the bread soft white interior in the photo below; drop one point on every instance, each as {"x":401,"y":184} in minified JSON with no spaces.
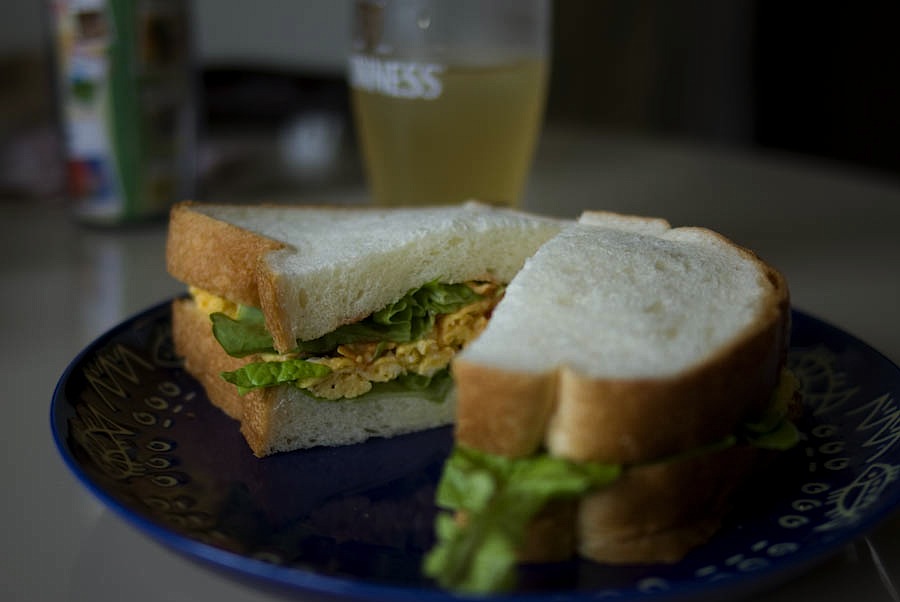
{"x":609,"y":302}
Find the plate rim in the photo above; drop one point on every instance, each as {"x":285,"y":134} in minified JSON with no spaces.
{"x":240,"y":567}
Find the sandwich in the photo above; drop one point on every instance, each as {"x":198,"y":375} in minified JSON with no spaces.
{"x":631,"y":379}
{"x":326,"y":326}
{"x":612,"y":382}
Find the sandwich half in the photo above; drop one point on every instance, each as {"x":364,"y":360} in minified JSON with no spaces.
{"x":327,"y":326}
{"x":629,"y":381}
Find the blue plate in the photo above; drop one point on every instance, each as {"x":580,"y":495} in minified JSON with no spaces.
{"x":354,"y":521}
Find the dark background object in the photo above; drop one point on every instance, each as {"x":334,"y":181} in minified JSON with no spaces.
{"x":826,"y":80}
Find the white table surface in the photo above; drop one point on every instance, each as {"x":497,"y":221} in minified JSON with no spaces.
{"x":831,"y":230}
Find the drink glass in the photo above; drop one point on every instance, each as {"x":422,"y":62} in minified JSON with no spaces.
{"x":448,"y":97}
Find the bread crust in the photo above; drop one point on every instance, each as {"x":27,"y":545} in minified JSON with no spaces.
{"x":658,"y":512}
{"x":504,"y":413}
{"x":550,"y":536}
{"x":275,"y":310}
{"x":216,"y":256}
{"x":205,"y":360}
{"x":653,"y":513}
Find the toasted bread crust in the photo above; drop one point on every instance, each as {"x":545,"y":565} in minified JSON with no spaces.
{"x":214,"y":255}
{"x":654,"y":513}
{"x":505,"y":413}
{"x":276,"y":312}
{"x":550,"y":536}
{"x":205,"y":360}
{"x":658,"y":512}
{"x":203,"y":357}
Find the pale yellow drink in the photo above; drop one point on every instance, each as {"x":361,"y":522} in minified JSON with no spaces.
{"x":474,"y":140}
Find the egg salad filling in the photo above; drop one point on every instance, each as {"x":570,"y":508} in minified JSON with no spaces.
{"x":411,"y":341}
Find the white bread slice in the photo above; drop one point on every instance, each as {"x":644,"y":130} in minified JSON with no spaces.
{"x":624,"y":341}
{"x":285,"y":418}
{"x":311,"y":269}
{"x":657,"y":512}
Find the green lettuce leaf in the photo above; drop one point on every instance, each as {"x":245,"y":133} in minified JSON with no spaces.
{"x":783,"y":436}
{"x":243,"y":336}
{"x":257,"y":375}
{"x":499,"y":497}
{"x":408,"y":319}
{"x":773,"y":429}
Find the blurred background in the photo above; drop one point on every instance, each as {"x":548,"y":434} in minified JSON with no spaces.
{"x":816,"y":80}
